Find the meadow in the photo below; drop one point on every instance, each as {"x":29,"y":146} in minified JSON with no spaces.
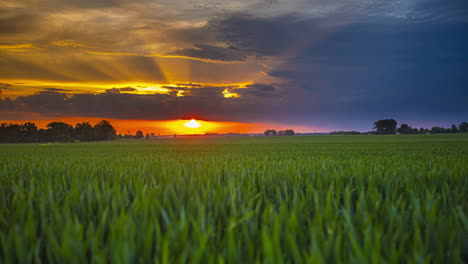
{"x":303,"y":199}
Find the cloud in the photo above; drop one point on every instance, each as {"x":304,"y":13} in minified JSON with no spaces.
{"x":75,"y":66}
{"x":68,"y":43}
{"x":210,"y":53}
{"x":17,"y":21}
{"x":262,"y":36}
{"x":112,"y":53}
{"x":56,"y":90}
{"x":436,"y":11}
{"x":119,"y":90}
{"x":128,"y":89}
{"x":17,"y":47}
{"x":258,"y":90}
{"x":5,"y":86}
{"x":205,"y":103}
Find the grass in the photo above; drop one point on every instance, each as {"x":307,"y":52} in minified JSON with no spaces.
{"x":316,"y":199}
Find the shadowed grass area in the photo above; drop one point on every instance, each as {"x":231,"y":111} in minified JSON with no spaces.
{"x":317,"y":199}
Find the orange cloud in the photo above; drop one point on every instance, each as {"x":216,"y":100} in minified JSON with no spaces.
{"x":67,"y":43}
{"x":18,"y":47}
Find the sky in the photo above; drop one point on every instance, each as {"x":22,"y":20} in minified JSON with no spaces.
{"x":310,"y":65}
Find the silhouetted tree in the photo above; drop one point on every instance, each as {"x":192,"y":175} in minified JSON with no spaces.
{"x":454,"y":128}
{"x":463,"y":127}
{"x":12,"y":133}
{"x":404,"y":129}
{"x":9,"y":133}
{"x":43,"y":135}
{"x":441,"y":130}
{"x":424,"y":131}
{"x":104,"y":131}
{"x":29,"y":132}
{"x":386,"y":126}
{"x":287,"y":132}
{"x":84,"y":132}
{"x":139,"y":134}
{"x":147,"y":136}
{"x":270,"y":132}
{"x":59,"y":131}
{"x":56,"y":131}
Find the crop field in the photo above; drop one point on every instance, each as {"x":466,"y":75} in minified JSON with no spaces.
{"x":314,"y":199}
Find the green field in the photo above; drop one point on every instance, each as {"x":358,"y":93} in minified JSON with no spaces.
{"x":316,"y":199}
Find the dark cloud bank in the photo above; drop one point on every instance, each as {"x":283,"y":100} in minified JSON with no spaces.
{"x":202,"y":102}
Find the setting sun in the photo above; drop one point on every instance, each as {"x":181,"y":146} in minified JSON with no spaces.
{"x":192,"y":124}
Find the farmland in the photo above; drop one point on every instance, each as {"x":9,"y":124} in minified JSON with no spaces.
{"x":317,"y":199}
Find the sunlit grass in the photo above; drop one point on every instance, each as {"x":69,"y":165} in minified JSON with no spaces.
{"x":324,"y":199}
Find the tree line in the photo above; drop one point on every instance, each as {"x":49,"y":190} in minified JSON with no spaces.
{"x":56,"y":132}
{"x":390,"y":126}
{"x":272,"y":132}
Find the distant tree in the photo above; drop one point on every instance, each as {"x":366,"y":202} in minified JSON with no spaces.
{"x":56,"y":131}
{"x":385,"y":126}
{"x":10,"y":133}
{"x":454,"y":128}
{"x":270,"y":132}
{"x":147,"y":136}
{"x":104,"y":131}
{"x":43,"y":135}
{"x":441,"y":130}
{"x":404,"y":129}
{"x":84,"y":132}
{"x":59,"y":131}
{"x":424,"y":131}
{"x":463,"y":127}
{"x":139,"y":134}
{"x":13,"y":133}
{"x":287,"y":132}
{"x":28,"y":132}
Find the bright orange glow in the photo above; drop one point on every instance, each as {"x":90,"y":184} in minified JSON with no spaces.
{"x":192,"y":124}
{"x":165,"y":127}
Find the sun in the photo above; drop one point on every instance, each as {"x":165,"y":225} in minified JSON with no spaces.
{"x":192,"y":124}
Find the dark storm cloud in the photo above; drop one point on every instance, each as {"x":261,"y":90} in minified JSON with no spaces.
{"x":206,"y":102}
{"x":399,"y":67}
{"x":127,"y":89}
{"x":440,"y":11}
{"x":202,"y":51}
{"x":259,"y":90}
{"x":264,"y":36}
{"x":15,"y":23}
{"x":123,"y":89}
{"x":56,"y":90}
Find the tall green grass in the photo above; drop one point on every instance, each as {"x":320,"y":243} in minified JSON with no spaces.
{"x":323,"y":199}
